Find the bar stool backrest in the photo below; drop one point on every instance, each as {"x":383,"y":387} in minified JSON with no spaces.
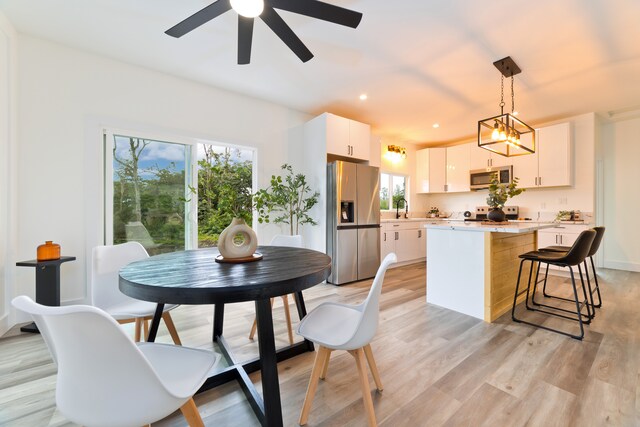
{"x":596,"y":242}
{"x":580,"y":248}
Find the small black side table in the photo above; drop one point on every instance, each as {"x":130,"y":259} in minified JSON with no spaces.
{"x":47,"y":283}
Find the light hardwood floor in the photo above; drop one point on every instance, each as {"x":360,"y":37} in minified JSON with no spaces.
{"x":438,"y":367}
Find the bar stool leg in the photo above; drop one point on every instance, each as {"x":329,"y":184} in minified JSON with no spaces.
{"x":544,"y":288}
{"x":575,"y":294}
{"x":595,"y":278}
{"x":515,"y":295}
{"x":526,"y":301}
{"x":535,"y":284}
{"x":590,"y":313}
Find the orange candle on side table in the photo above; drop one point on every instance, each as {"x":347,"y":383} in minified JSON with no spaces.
{"x":48,"y":251}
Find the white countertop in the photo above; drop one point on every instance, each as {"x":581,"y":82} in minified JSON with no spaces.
{"x":515,"y":227}
{"x":420,"y":219}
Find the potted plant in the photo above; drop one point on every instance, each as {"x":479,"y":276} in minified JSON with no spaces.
{"x":498,"y":196}
{"x":289,"y":198}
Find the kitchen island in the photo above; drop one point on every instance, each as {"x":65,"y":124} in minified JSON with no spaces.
{"x":472,"y":268}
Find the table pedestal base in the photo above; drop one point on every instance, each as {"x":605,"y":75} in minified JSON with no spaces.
{"x":267,"y":410}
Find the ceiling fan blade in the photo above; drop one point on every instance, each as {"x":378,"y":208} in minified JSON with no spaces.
{"x":320,"y":10}
{"x":245,"y":36}
{"x":286,"y":34}
{"x":201,"y":17}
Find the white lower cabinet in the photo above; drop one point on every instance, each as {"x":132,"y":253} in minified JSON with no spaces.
{"x":561,"y":235}
{"x":406,"y":239}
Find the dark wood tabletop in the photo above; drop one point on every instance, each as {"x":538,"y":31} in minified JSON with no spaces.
{"x":193,"y":277}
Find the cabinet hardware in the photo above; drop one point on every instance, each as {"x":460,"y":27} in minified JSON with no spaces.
{"x":419,"y":234}
{"x":385,"y":237}
{"x":396,"y":236}
{"x":536,"y":181}
{"x":446,"y":187}
{"x":539,"y":180}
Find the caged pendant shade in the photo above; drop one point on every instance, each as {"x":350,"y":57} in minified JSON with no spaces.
{"x":505,"y":134}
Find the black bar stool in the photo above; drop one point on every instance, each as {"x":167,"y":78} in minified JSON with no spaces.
{"x":594,"y":248}
{"x":575,"y":256}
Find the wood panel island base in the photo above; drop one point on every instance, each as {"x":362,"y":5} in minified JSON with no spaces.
{"x":472,"y":268}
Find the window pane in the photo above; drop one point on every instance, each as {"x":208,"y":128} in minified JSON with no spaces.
{"x":398,"y":184}
{"x":384,"y":191}
{"x":224,"y":187}
{"x":149,"y":193}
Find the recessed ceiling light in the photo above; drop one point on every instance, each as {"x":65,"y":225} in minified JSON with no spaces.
{"x":515,"y":113}
{"x":363,"y":97}
{"x":436,"y":125}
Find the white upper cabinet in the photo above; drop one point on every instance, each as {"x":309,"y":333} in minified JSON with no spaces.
{"x":483,"y":159}
{"x":525,"y":168}
{"x":554,"y":155}
{"x":360,"y":140}
{"x":431,"y":170}
{"x":479,"y":157}
{"x":550,"y":166}
{"x":458,"y":160}
{"x":346,"y":138}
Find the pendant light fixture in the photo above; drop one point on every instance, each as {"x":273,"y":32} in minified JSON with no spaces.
{"x":505,"y":134}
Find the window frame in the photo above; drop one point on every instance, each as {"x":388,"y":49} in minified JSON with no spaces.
{"x":191,"y":176}
{"x":390,"y":186}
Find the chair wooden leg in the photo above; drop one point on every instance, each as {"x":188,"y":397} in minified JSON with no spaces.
{"x":364,"y":384}
{"x":254,"y":327}
{"x":287,"y":315}
{"x":191,"y":414}
{"x":145,"y":324}
{"x":373,"y":366}
{"x":168,"y":320}
{"x":138,"y":329}
{"x":323,"y":353}
{"x":325,"y":367}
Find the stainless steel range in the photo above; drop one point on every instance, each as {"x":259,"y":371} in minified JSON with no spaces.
{"x":481,"y":213}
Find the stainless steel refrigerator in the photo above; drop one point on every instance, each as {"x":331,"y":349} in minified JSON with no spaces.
{"x":353,"y":221}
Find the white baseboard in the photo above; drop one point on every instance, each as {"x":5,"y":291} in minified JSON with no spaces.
{"x":4,"y":324}
{"x":620,"y":265}
{"x":403,"y":263}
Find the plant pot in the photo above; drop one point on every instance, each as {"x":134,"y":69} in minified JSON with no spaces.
{"x":496,"y":215}
{"x":238,"y":240}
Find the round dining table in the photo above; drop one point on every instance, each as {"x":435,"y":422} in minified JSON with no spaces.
{"x":194,"y":277}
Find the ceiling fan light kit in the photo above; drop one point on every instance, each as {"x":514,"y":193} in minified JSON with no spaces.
{"x":505,"y":134}
{"x":266,"y":10}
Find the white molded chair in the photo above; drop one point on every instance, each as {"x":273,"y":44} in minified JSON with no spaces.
{"x":105,"y":379}
{"x":105,"y":293}
{"x":282,"y":240}
{"x":334,"y":326}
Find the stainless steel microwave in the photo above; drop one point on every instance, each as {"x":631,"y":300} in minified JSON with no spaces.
{"x":481,"y":178}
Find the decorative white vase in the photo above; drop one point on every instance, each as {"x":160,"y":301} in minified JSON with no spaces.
{"x":230,"y":248}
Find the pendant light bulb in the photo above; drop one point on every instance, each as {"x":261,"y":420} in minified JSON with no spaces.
{"x":496,"y":131}
{"x":503,"y":133}
{"x":248,"y":8}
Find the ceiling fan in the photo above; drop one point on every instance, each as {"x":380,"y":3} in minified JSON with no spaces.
{"x":265,"y":9}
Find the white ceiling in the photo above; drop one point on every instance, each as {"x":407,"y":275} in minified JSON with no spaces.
{"x":419,"y":61}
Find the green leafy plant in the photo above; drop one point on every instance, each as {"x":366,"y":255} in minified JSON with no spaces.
{"x":500,"y":193}
{"x":288,"y":199}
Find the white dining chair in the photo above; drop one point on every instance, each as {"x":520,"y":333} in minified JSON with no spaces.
{"x":332,"y":326}
{"x":105,"y":379}
{"x":294,"y":241}
{"x":106,"y":295}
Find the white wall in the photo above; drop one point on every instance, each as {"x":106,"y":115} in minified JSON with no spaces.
{"x":620,"y":143}
{"x":8,"y":86}
{"x":547,"y":201}
{"x":67,"y":96}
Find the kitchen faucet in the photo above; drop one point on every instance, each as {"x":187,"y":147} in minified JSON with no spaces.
{"x":406,"y":205}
